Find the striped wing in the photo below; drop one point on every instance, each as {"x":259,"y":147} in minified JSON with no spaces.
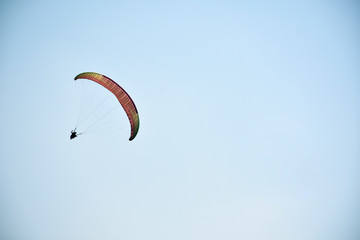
{"x":124,"y":98}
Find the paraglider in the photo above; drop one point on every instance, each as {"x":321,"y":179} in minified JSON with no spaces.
{"x":73,"y":134}
{"x":121,"y":95}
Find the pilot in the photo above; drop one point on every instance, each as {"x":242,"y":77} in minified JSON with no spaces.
{"x":73,"y":134}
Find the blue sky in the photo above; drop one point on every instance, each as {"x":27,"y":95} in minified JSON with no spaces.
{"x":249,"y":120}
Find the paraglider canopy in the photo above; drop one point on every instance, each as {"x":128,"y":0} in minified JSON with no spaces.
{"x":122,"y":96}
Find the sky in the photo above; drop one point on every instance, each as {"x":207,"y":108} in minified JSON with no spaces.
{"x":249,"y":120}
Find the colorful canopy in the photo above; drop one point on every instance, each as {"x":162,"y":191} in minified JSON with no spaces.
{"x":124,"y":98}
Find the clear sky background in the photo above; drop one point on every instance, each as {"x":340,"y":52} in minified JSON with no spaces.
{"x":249,"y":120}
